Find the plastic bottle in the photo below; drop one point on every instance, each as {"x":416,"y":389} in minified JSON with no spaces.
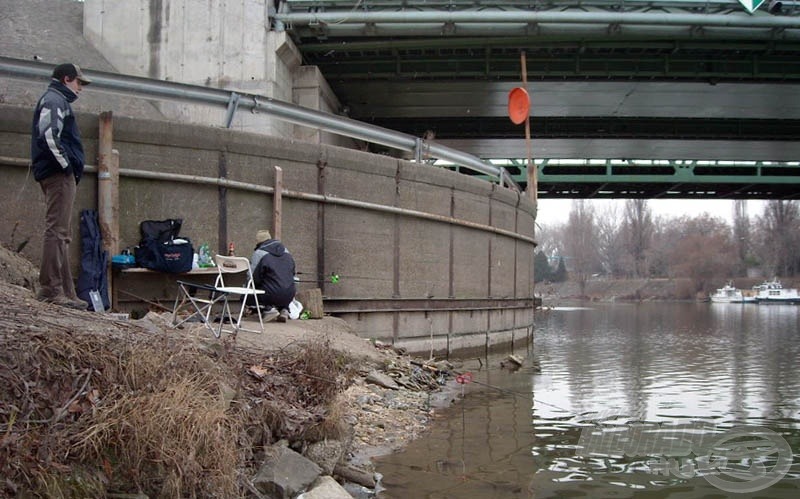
{"x":231,"y":250}
{"x":204,"y":256}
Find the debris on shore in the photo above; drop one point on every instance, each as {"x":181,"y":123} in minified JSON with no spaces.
{"x":512,"y":362}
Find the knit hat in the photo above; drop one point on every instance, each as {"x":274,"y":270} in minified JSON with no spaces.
{"x":71,"y":70}
{"x":263,"y":235}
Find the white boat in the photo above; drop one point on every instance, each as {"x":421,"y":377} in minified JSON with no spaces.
{"x":774,"y":292}
{"x":730,"y":294}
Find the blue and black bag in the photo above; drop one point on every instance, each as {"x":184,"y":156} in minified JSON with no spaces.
{"x":94,"y":260}
{"x":161,"y":248}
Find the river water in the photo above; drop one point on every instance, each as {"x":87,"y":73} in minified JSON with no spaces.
{"x":653,"y":400}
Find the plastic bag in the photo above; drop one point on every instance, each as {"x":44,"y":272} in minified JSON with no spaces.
{"x":294,"y":309}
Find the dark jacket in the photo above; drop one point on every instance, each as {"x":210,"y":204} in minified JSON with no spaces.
{"x":273,"y":271}
{"x":55,"y":139}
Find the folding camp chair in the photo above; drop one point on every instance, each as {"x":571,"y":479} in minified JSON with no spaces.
{"x":228,"y":265}
{"x":189,"y":298}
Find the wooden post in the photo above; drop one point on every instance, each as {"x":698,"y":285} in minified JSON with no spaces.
{"x":105,"y":206}
{"x":312,"y":302}
{"x":222,"y":206}
{"x":533,"y":183}
{"x":108,"y":193}
{"x":113,"y":228}
{"x":277,"y":205}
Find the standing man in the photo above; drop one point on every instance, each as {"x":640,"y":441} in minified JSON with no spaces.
{"x":57,"y":160}
{"x":273,"y":271}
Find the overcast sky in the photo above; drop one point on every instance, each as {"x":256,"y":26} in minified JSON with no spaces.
{"x":556,"y":211}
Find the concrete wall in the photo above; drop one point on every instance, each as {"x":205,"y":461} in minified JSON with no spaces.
{"x":456,"y":265}
{"x":192,"y":41}
{"x":28,"y":30}
{"x":312,"y":91}
{"x":218,"y":44}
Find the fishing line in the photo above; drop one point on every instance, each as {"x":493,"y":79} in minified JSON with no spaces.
{"x":24,"y":184}
{"x":335,"y":277}
{"x":511,"y":392}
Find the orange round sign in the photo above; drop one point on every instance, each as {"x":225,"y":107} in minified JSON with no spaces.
{"x":519,"y":105}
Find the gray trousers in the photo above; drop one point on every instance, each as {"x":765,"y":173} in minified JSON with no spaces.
{"x":55,"y":274}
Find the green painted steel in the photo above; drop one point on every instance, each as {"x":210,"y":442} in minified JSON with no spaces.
{"x":751,"y":5}
{"x":662,"y":179}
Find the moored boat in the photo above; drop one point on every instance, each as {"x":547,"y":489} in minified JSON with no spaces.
{"x":730,"y":294}
{"x":774,"y":292}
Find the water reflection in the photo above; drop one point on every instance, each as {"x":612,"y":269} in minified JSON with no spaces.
{"x":462,"y":455}
{"x":672,"y":361}
{"x":724,"y":365}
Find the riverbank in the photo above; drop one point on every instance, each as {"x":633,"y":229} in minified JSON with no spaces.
{"x":611,"y":290}
{"x":91,"y":406}
{"x":616,"y":290}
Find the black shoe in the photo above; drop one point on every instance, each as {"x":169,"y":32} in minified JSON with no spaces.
{"x":63,"y":301}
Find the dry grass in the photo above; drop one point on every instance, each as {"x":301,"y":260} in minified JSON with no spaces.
{"x":86,"y":410}
{"x":180,"y":433}
{"x":293,"y":391}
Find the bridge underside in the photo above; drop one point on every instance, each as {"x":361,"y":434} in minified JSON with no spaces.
{"x":672,"y":80}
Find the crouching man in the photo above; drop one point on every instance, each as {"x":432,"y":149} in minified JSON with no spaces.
{"x":273,"y":271}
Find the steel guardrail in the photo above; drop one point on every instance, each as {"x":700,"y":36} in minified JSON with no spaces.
{"x":231,"y":100}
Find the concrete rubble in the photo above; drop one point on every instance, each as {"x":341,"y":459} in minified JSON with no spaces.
{"x":325,"y":487}
{"x":385,"y":415}
{"x":285,"y":473}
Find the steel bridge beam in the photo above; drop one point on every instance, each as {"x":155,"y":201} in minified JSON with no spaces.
{"x":663,"y":179}
{"x":650,"y":20}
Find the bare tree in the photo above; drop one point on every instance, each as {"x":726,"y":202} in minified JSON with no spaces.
{"x":580,"y":242}
{"x":638,"y":232}
{"x":550,"y":244}
{"x":665,"y":232}
{"x":702,"y":251}
{"x":741,"y":234}
{"x":549,"y":238}
{"x":611,"y":248}
{"x":779,"y":228}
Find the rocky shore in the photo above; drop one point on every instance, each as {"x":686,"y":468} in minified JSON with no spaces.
{"x":92,"y":406}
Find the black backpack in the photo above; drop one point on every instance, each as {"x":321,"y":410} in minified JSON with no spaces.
{"x":158,"y":250}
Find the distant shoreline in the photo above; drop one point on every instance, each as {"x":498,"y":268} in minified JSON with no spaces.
{"x":636,"y":290}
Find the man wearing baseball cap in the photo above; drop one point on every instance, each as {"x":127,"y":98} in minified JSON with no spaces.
{"x":57,"y":161}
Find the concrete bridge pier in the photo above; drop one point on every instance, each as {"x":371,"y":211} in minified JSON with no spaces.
{"x":226,"y":45}
{"x":428,"y":259}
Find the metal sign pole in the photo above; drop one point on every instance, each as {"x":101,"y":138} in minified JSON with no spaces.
{"x":533,"y":185}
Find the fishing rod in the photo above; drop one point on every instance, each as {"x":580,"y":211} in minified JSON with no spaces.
{"x":333,"y":277}
{"x":467,"y":377}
